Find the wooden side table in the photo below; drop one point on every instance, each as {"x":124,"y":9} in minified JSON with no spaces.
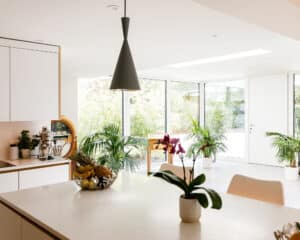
{"x":154,"y":145}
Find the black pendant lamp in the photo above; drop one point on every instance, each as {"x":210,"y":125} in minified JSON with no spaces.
{"x":125,"y":76}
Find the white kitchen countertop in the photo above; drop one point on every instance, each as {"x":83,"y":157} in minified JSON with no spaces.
{"x":23,"y":164}
{"x":143,"y":208}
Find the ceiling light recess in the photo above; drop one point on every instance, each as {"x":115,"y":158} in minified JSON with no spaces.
{"x":238,"y":55}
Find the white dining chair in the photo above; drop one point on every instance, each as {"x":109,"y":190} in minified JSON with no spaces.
{"x":177,"y":170}
{"x":262,"y":190}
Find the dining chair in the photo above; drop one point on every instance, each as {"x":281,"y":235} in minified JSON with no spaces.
{"x":267,"y":191}
{"x":177,"y":170}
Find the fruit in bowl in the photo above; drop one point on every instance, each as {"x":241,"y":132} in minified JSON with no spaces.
{"x":91,"y":176}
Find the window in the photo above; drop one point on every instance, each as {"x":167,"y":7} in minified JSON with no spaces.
{"x":184,"y":106}
{"x":297,"y":106}
{"x":97,"y":106}
{"x":147,"y":109}
{"x":225,"y":114}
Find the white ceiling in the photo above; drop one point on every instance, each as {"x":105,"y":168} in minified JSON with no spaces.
{"x":161,"y":33}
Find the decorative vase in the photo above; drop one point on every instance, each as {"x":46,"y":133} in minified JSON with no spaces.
{"x":25,"y":153}
{"x":291,"y":173}
{"x":207,"y":163}
{"x":190,"y":210}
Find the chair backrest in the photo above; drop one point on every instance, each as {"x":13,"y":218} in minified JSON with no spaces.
{"x":177,"y":170}
{"x":267,"y":191}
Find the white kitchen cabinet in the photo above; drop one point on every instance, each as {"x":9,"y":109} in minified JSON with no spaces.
{"x":4,"y":84}
{"x":8,"y":182}
{"x":34,"y":85}
{"x":31,"y":232}
{"x":43,"y":176}
{"x":10,"y":224}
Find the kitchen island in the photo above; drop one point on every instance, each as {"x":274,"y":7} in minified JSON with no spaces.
{"x":135,"y":207}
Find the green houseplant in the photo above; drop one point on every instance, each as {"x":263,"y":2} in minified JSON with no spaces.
{"x":207,"y":142}
{"x":287,"y":149}
{"x":194,"y":194}
{"x":25,"y":144}
{"x":101,"y":156}
{"x":110,"y":148}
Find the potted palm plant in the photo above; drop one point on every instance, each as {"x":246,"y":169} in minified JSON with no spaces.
{"x":207,"y":142}
{"x":194,"y":194}
{"x":287,"y":149}
{"x":110,"y":148}
{"x":102,"y":155}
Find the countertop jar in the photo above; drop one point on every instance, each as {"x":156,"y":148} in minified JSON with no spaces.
{"x":13,"y":152}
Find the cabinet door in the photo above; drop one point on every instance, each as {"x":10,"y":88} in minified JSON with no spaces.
{"x":8,"y":182}
{"x":31,"y":232}
{"x":10,"y":224}
{"x":4,"y":84}
{"x":43,"y":176}
{"x":34,"y":85}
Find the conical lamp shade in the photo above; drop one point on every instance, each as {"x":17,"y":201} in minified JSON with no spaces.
{"x":125,"y":76}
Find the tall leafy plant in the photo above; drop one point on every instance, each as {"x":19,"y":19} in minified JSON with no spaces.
{"x":110,"y":148}
{"x":205,"y":141}
{"x":286,"y":146}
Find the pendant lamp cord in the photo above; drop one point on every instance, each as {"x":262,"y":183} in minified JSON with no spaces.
{"x":125,"y":6}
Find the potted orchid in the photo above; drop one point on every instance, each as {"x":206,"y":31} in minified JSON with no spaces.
{"x":194,"y":194}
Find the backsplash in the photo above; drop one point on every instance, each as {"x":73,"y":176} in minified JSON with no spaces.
{"x":9,"y":132}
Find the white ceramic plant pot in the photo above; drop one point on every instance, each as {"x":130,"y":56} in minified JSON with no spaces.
{"x":207,"y":162}
{"x":25,"y":153}
{"x":190,"y":210}
{"x":291,"y":173}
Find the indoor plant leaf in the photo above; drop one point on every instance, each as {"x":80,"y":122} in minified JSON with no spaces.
{"x":216,"y":200}
{"x":202,"y":199}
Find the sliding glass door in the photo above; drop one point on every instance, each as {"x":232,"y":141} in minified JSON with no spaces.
{"x":165,"y":106}
{"x":225,"y":114}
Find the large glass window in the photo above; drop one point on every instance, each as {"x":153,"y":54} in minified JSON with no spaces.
{"x":147,"y":109}
{"x":225,"y":114}
{"x":297,"y":106}
{"x":184,"y":106}
{"x":97,"y":105}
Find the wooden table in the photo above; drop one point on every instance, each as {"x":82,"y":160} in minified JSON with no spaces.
{"x":139,"y":207}
{"x":153,"y":145}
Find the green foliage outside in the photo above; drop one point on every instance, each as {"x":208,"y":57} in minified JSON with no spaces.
{"x":297,"y":111}
{"x":225,"y":110}
{"x":98,"y":106}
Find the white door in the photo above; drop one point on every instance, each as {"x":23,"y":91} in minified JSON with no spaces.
{"x":268,"y":111}
{"x":34,"y":85}
{"x":4,"y":84}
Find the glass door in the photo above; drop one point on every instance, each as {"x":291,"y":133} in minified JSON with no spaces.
{"x":225,"y":114}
